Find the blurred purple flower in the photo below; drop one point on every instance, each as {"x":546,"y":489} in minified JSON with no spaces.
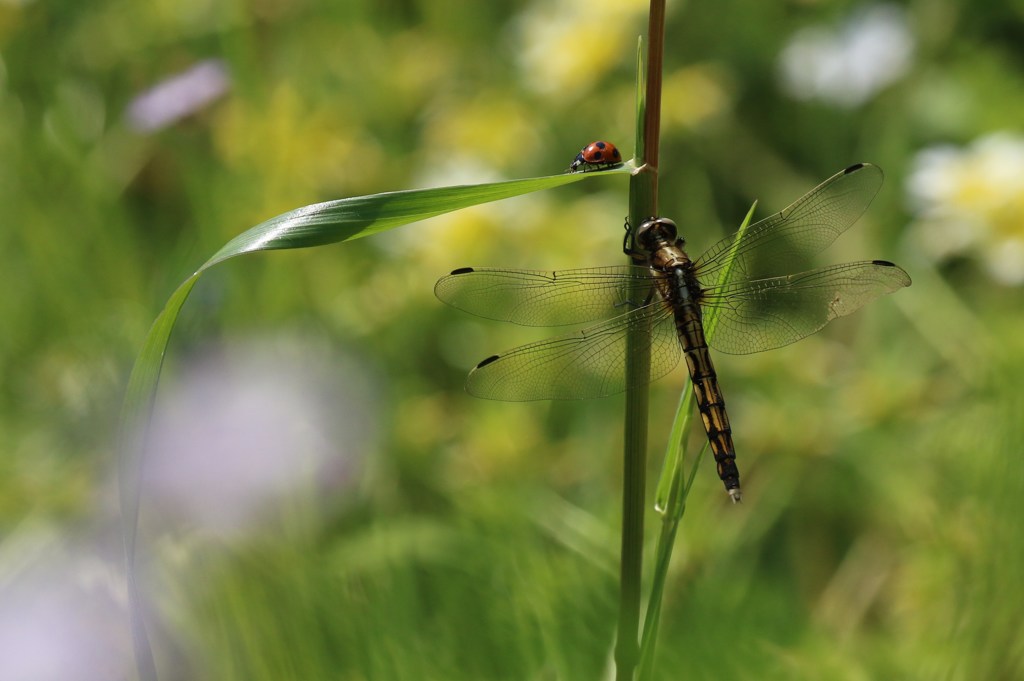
{"x":242,"y":433}
{"x":58,"y":623}
{"x":179,"y":96}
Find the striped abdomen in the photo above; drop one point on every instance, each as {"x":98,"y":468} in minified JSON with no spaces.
{"x":708,"y":395}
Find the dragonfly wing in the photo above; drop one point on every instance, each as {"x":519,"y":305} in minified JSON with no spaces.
{"x":545,"y":298}
{"x":782,"y":242}
{"x":586,"y":364}
{"x":752,"y":316}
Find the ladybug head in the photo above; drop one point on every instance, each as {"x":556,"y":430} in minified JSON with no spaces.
{"x":579,"y":160}
{"x":656,"y":232}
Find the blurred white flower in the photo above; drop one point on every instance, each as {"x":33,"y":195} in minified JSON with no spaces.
{"x":241,"y":433}
{"x":178,"y":96}
{"x":970,"y":201}
{"x":849,"y":65}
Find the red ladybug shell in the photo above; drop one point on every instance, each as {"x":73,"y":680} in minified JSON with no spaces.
{"x":597,"y":154}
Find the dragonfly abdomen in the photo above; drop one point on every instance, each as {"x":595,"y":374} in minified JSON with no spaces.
{"x":708,"y":394}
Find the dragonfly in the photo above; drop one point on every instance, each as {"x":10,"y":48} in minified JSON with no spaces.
{"x":743,"y":287}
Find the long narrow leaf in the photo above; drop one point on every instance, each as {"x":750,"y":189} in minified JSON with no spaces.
{"x":316,"y":225}
{"x":347,"y":219}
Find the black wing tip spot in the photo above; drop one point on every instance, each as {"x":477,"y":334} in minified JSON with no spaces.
{"x":483,"y":363}
{"x":903,"y":276}
{"x":463,"y":270}
{"x":854,"y":168}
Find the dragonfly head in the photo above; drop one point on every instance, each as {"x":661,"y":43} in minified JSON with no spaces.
{"x":654,"y":233}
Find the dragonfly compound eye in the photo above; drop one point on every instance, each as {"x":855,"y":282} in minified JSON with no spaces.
{"x":654,"y":231}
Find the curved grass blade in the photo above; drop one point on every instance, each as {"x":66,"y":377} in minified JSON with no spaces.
{"x":353,"y":218}
{"x":315,"y":225}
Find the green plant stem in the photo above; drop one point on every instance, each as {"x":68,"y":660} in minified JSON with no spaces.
{"x":643,"y":203}
{"x":663,"y":555}
{"x":633,"y":507}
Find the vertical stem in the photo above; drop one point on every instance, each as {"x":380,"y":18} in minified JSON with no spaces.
{"x":643,"y":203}
{"x":652,"y":112}
{"x":627,"y":649}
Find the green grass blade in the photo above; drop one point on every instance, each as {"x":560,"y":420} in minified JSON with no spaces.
{"x":666,"y":538}
{"x":138,"y":405}
{"x":671,"y":495}
{"x":641,"y":100}
{"x":135,"y":415}
{"x":315,"y":225}
{"x":347,"y":219}
{"x":725,"y":276}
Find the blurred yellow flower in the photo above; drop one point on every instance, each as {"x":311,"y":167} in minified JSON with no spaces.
{"x":299,"y":147}
{"x":970,"y":201}
{"x":693,"y":95}
{"x":470,"y":128}
{"x":567,"y":45}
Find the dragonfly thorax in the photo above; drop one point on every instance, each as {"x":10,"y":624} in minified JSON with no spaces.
{"x":664,"y":250}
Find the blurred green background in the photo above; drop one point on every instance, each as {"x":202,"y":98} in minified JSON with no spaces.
{"x":325,"y":502}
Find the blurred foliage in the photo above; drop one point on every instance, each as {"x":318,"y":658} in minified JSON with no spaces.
{"x":466,"y":539}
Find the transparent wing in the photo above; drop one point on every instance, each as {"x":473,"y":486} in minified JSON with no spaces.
{"x":782,"y":242}
{"x":590,"y":363}
{"x":538,"y":298}
{"x":752,"y":316}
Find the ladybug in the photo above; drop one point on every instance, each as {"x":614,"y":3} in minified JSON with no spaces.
{"x":596,"y":156}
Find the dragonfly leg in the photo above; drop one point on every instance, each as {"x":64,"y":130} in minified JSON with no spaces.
{"x":648,"y":299}
{"x":638,"y":256}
